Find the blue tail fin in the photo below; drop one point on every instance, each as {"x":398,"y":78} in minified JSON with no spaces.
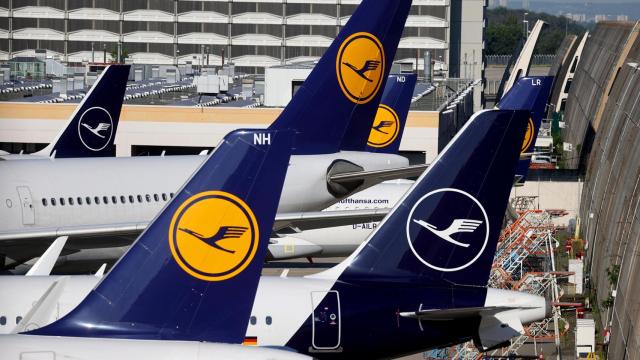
{"x":193,"y":274}
{"x":91,"y":130}
{"x":529,"y":93}
{"x":344,"y":87}
{"x":445,"y":230}
{"x":386,"y":133}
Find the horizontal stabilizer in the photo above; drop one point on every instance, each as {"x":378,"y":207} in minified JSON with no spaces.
{"x":290,"y":247}
{"x":498,"y":329}
{"x":324,"y":219}
{"x":380,"y":175}
{"x":458,"y":313}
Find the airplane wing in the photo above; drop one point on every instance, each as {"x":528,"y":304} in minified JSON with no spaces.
{"x":379,"y":175}
{"x":301,"y":221}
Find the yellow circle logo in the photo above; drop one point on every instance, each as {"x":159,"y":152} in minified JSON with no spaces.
{"x":385,"y":127}
{"x":360,"y":66}
{"x":528,"y":136}
{"x":213,"y":236}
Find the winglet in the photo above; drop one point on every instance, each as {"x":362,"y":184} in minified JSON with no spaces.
{"x":100,"y":273}
{"x":388,"y":126}
{"x":344,"y":89}
{"x":171,"y":285}
{"x":47,"y":261}
{"x":91,"y":129}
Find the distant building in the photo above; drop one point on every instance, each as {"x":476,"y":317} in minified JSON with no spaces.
{"x":598,"y":18}
{"x":253,"y":34}
{"x":576,"y":17}
{"x":503,"y":3}
{"x":27,"y":67}
{"x":622,"y":18}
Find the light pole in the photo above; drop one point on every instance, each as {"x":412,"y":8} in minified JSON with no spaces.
{"x":177,"y":56}
{"x":525,"y":25}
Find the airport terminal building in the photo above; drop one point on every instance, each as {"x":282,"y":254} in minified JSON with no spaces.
{"x":251,"y":34}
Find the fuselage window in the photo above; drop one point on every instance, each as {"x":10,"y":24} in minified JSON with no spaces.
{"x":88,"y":200}
{"x":164,"y":197}
{"x":131,"y":199}
{"x":18,"y":319}
{"x":105,"y":199}
{"x":79,"y":200}
{"x":253,"y":320}
{"x":61,"y":201}
{"x":123,"y":199}
{"x":70,"y":201}
{"x":148,"y":198}
{"x":171,"y":195}
{"x":3,"y":320}
{"x":114,"y":199}
{"x":96,"y":200}
{"x":53,"y":202}
{"x":268,"y":320}
{"x":44,"y":202}
{"x":139,"y":198}
{"x":155,"y":197}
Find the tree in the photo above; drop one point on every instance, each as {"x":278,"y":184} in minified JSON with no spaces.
{"x":123,"y":55}
{"x":505,"y":28}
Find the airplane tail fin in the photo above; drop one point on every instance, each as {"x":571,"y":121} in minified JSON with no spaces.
{"x":388,"y":126}
{"x":342,"y":92}
{"x":529,"y":93}
{"x":91,"y":129}
{"x":193,"y":273}
{"x":445,"y":230}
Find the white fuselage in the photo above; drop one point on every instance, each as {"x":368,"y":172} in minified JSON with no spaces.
{"x":281,"y":306}
{"x":18,"y":347}
{"x":340,"y":241}
{"x":68,"y":193}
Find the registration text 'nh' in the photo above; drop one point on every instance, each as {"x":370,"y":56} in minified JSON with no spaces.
{"x":261,"y":139}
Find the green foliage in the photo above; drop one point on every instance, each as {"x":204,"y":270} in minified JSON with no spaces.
{"x":505,"y":28}
{"x":608,"y":302}
{"x":613,"y":272}
{"x":124,"y":55}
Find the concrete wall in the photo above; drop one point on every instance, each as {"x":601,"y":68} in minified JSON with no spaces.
{"x":602,"y":55}
{"x":610,"y":206}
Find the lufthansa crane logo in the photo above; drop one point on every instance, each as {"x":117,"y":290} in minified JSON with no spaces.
{"x":95,"y":128}
{"x":213,"y":236}
{"x":448,"y":221}
{"x":385,"y":127}
{"x":528,"y":136}
{"x":360,"y":67}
